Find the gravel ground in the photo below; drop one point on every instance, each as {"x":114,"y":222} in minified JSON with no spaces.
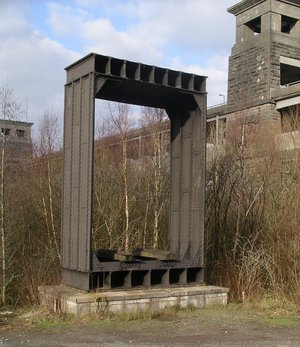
{"x":232,"y":326}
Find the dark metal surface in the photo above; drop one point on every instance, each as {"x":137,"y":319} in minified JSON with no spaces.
{"x":183,"y":96}
{"x":77,"y":177}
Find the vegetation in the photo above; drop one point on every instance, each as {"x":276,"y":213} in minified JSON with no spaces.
{"x":252,"y":211}
{"x":131,"y":182}
{"x":253,"y":215}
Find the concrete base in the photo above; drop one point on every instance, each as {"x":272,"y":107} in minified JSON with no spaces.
{"x":73,"y":301}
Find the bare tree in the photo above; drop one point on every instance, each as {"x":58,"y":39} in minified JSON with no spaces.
{"x":49,"y":137}
{"x":131,"y":180}
{"x":157,"y":140}
{"x":10,"y":109}
{"x":108,"y":207}
{"x":121,"y":124}
{"x":46,"y":149}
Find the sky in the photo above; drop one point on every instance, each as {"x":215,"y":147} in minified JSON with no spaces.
{"x":39,"y":38}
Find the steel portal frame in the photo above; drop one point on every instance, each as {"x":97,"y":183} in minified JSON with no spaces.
{"x":183,"y":96}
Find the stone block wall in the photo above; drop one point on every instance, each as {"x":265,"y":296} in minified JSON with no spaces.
{"x":279,"y":49}
{"x":248,"y":81}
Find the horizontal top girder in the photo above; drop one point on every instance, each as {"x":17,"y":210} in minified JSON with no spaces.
{"x":113,"y":68}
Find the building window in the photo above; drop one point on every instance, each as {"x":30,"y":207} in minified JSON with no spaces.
{"x":287,"y":24}
{"x":211,"y":132}
{"x":289,"y":71}
{"x":255,"y":25}
{"x":290,"y":119}
{"x":5,"y":131}
{"x":216,"y":131}
{"x":20,"y":133}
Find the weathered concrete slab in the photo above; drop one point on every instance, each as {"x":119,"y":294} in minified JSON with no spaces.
{"x":73,"y":301}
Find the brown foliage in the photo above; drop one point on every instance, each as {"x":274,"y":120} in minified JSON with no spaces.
{"x":252,"y":225}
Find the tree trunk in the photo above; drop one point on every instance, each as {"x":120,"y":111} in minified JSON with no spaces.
{"x":2,"y":229}
{"x":54,"y":234}
{"x":125,"y":179}
{"x":157,"y":187}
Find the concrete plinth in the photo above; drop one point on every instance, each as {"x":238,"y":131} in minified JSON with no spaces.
{"x":73,"y":301}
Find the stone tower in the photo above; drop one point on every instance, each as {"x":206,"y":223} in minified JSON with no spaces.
{"x":265,"y":57}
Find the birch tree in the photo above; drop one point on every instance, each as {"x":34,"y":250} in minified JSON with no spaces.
{"x":46,"y":146}
{"x":121,"y":124}
{"x":154,"y":119}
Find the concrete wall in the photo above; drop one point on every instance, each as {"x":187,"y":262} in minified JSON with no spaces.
{"x":254,"y":66}
{"x":248,"y":83}
{"x":69,"y":300}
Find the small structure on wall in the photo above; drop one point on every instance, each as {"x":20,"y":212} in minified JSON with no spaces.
{"x":183,"y":96}
{"x":16,"y":137}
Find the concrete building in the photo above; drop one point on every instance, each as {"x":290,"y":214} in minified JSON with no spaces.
{"x":264,"y":70}
{"x":16,"y":137}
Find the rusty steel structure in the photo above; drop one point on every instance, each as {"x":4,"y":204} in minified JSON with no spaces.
{"x":183,"y":96}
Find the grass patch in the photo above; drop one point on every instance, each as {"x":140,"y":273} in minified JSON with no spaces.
{"x":51,"y":324}
{"x":280,"y":321}
{"x":110,"y":319}
{"x":44,"y":320}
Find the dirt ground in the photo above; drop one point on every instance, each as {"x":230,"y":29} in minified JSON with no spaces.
{"x":234,"y":325}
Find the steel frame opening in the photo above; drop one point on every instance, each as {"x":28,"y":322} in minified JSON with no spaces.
{"x":183,"y":96}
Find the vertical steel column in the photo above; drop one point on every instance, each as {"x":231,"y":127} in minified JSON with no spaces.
{"x":188,"y":151}
{"x":198,"y":180}
{"x":77,"y":181}
{"x":175,"y":183}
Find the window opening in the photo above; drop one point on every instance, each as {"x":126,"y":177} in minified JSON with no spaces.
{"x":211,"y":132}
{"x":20,"y":133}
{"x":255,"y":25}
{"x":222,"y":131}
{"x":287,"y":24}
{"x":289,"y":74}
{"x":5,"y":131}
{"x":290,"y":119}
{"x":216,"y":132}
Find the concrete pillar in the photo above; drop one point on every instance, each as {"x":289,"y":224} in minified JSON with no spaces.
{"x":266,"y":22}
{"x":275,"y":22}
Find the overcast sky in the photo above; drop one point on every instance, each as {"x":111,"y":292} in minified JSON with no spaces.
{"x":39,"y":38}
